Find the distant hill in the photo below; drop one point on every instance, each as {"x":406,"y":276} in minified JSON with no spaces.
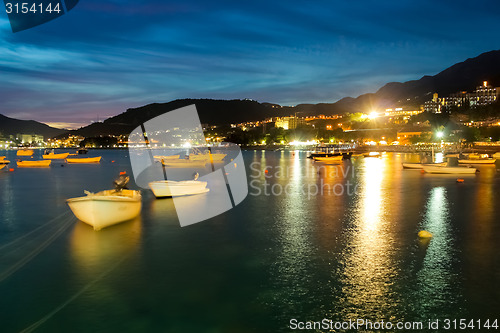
{"x":11,"y":126}
{"x":462,"y":76}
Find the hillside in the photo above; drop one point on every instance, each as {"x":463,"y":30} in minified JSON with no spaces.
{"x":11,"y":126}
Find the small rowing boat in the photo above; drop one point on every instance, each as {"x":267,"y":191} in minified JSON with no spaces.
{"x":109,"y":207}
{"x":329,"y":159}
{"x":449,"y":170}
{"x":168,"y":188}
{"x":33,"y":164}
{"x":420,"y":166}
{"x":25,"y":152}
{"x":478,"y":161}
{"x":84,"y":160}
{"x":52,"y":156}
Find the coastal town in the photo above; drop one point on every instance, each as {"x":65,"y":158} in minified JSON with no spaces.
{"x":462,"y":118}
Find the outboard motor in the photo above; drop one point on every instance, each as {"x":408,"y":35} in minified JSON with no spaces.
{"x":121,"y":182}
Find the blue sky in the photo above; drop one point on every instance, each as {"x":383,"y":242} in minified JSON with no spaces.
{"x":106,"y":56}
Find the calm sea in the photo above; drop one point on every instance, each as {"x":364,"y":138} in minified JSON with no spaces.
{"x":308,"y":243}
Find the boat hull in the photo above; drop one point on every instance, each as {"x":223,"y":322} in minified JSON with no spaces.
{"x":181,"y":163}
{"x":485,"y":161}
{"x":167,"y":188}
{"x":420,"y":166}
{"x":34,"y":164}
{"x":2,"y":166}
{"x":101,"y":211}
{"x":208,"y":157}
{"x":449,"y":170}
{"x":331,"y":159}
{"x":25,"y":152}
{"x":55,"y":156}
{"x":84,"y":160}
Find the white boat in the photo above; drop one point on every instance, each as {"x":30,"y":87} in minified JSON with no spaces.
{"x":420,"y":166}
{"x":168,"y":188}
{"x":34,"y":164}
{"x":449,"y":170}
{"x":184,"y":163}
{"x":168,"y":157}
{"x":208,"y":157}
{"x":478,"y":161}
{"x":329,"y":159}
{"x":106,"y":208}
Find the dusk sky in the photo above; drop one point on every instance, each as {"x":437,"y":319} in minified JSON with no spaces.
{"x":106,"y":56}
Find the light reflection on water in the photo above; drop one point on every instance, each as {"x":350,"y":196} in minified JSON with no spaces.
{"x":270,"y":259}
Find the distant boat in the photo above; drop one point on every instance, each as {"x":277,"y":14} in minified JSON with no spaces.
{"x":25,"y":152}
{"x":52,"y":156}
{"x":109,"y":207}
{"x":168,"y":188}
{"x":420,"y":166}
{"x":106,"y":208}
{"x":330,"y":159}
{"x":207,"y":157}
{"x":33,"y":164}
{"x":449,"y":170}
{"x":184,"y":163}
{"x":84,"y":160}
{"x":168,"y":157}
{"x":82,"y":151}
{"x":478,"y":161}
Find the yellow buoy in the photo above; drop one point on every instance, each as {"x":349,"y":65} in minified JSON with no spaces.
{"x":424,"y":234}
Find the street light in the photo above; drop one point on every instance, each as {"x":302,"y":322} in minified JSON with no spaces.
{"x":439,"y":134}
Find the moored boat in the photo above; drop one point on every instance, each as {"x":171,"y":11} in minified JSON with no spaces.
{"x":2,"y":166}
{"x":84,"y":160}
{"x":167,"y":157}
{"x":496,"y":155}
{"x":25,"y":152}
{"x":108,"y":207}
{"x":184,"y":163}
{"x":420,"y":166}
{"x":33,"y":164}
{"x":3,"y":160}
{"x":52,"y":156}
{"x":168,"y":188}
{"x":207,"y":157}
{"x":449,"y":170}
{"x":330,"y":159}
{"x":478,"y":161}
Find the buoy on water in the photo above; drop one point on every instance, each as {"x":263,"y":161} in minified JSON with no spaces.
{"x":424,"y":234}
{"x":460,"y":180}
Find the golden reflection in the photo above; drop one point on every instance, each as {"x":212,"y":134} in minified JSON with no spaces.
{"x":93,"y":251}
{"x":369,"y":269}
{"x":435,"y":276}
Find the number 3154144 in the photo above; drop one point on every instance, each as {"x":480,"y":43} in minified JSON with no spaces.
{"x":34,"y":8}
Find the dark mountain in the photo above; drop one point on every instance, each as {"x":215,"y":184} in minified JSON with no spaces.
{"x":11,"y":126}
{"x":463,"y":76}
